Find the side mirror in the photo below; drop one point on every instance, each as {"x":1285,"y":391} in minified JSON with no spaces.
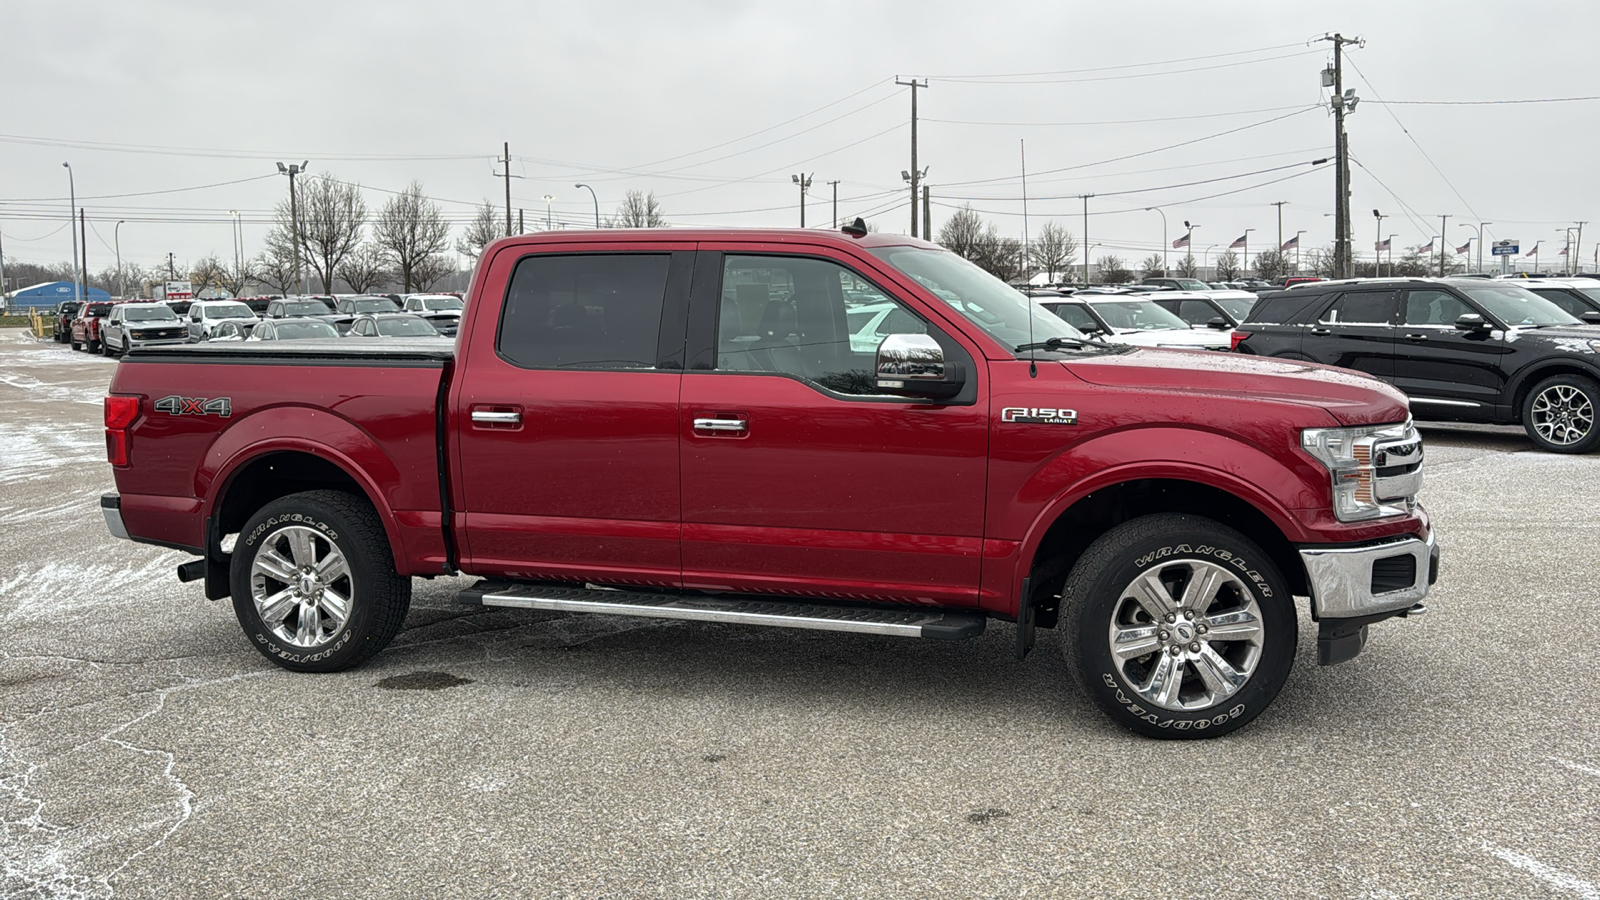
{"x":1591,"y":318}
{"x":1471,"y":322}
{"x":1219,"y":323}
{"x":913,"y":365}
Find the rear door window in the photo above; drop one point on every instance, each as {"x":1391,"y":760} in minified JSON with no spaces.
{"x":1565,"y":300}
{"x":599,"y":311}
{"x":1360,"y":308}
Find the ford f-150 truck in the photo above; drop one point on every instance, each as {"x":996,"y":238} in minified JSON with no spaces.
{"x":678,"y":424}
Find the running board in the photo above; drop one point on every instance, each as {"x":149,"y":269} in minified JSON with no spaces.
{"x":921,"y":622}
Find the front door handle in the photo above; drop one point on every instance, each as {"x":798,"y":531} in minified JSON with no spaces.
{"x":1416,"y":337}
{"x":721,"y":425}
{"x":497,"y":417}
{"x":1322,"y":331}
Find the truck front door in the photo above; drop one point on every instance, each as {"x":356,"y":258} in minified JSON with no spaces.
{"x":798,"y":477}
{"x":565,"y":415}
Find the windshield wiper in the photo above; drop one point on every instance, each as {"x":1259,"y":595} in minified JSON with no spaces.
{"x":1056,"y":343}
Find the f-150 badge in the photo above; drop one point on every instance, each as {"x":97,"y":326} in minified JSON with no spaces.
{"x":1039,"y":415}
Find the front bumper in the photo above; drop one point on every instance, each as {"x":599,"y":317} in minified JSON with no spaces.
{"x":1353,"y":587}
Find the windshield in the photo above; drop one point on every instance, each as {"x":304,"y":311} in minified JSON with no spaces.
{"x":372,"y":306}
{"x":231,"y":311}
{"x":1001,"y":311}
{"x":405,"y":326}
{"x":1238,"y":308}
{"x":148,"y":314}
{"x":433,"y":303}
{"x":1518,"y":306}
{"x":306,"y":308}
{"x":1138,"y":315}
{"x":1191,"y":284}
{"x":96,"y":309}
{"x":1593,"y":293}
{"x":293,"y":331}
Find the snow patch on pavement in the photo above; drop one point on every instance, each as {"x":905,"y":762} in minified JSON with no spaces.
{"x":61,"y":586}
{"x":28,"y":448}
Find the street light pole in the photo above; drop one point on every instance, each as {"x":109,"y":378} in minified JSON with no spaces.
{"x":547,"y":223}
{"x":596,"y":203}
{"x":1442,"y":241}
{"x":1086,"y":236}
{"x":804,"y":181}
{"x":294,"y":221}
{"x":1296,"y":251}
{"x":1244,"y":264}
{"x":1479,"y":228}
{"x":1377,"y":239}
{"x":1188,"y":250}
{"x":72,"y":213}
{"x":1165,"y":266}
{"x":116,"y":238}
{"x":1279,"y":204}
{"x":835,"y":184}
{"x":1391,"y":254}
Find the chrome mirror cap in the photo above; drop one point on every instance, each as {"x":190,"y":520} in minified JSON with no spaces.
{"x":909,"y":357}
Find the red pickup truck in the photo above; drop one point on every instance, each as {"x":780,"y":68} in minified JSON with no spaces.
{"x":838,"y":431}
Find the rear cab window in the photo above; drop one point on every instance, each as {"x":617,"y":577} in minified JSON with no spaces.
{"x":584,"y":311}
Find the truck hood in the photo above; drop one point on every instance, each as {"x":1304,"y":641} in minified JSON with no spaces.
{"x":1350,"y":397}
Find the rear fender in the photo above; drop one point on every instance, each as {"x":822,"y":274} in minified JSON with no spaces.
{"x":313,"y":431}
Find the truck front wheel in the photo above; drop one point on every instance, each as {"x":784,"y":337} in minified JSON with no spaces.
{"x":1178,"y":626}
{"x":314,"y":584}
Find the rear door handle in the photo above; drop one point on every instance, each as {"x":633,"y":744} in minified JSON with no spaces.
{"x":724,"y":425}
{"x":1322,"y":331}
{"x":1416,"y":337}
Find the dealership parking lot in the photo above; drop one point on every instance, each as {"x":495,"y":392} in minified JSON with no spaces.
{"x":147,"y":751}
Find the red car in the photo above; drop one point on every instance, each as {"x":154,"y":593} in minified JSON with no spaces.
{"x":86,"y":325}
{"x":682,"y":424}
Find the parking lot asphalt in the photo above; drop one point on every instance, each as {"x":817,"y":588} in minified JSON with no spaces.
{"x":147,"y":751}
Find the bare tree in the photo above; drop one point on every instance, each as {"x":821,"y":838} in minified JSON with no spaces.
{"x":962,"y":234}
{"x":206,"y":274}
{"x":1152,"y":266}
{"x":412,"y":234}
{"x":332,"y":215}
{"x":363,"y":268}
{"x":1055,"y":250}
{"x":485,"y":228}
{"x":639,"y":210}
{"x":1189,"y":267}
{"x":237,"y":277}
{"x":1271,"y":264}
{"x":275,"y":269}
{"x":1110,"y":269}
{"x":1227,"y":265}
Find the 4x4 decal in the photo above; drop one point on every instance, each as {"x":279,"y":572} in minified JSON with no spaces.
{"x":195,"y":406}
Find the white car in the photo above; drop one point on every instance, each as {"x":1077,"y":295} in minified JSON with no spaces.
{"x":443,"y":311}
{"x":206,"y":315}
{"x":870,"y":323}
{"x":1124,"y":319}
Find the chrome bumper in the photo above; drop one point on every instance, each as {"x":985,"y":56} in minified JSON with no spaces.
{"x":111,"y":505}
{"x":1343,"y":584}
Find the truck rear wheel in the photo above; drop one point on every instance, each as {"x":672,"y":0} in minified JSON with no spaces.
{"x":1178,"y":626}
{"x":1559,"y":414}
{"x":313,"y":582}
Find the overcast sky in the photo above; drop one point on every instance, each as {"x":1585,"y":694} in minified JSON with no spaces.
{"x":715,"y":105}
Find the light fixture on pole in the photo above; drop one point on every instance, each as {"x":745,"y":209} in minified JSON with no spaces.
{"x":1188,"y":248}
{"x":294,"y":221}
{"x":1479,"y":228}
{"x":804,"y":182}
{"x":1377,"y":240}
{"x":547,"y":222}
{"x":596,"y":203}
{"x":1165,"y":267}
{"x":72,"y":213}
{"x":116,"y":238}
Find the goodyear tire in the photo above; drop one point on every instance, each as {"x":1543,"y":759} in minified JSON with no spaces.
{"x":313,"y":582}
{"x":1178,"y":626}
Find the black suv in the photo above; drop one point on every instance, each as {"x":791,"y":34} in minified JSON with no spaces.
{"x":1463,"y":350}
{"x":61,"y":320}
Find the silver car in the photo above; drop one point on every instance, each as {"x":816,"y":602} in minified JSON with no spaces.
{"x":131,"y":325}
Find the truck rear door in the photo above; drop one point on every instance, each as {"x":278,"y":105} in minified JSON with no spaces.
{"x":797,"y":475}
{"x":565,"y":414}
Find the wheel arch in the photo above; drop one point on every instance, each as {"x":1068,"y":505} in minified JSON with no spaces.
{"x":1538,"y":372}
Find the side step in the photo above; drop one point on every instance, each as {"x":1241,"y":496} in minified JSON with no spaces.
{"x":939,"y":624}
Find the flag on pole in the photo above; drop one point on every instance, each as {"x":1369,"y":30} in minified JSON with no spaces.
{"x":1426,"y":248}
{"x":1464,"y":248}
{"x":1181,"y":242}
{"x":1382,"y":245}
{"x":1563,"y":252}
{"x":1291,"y":244}
{"x":1238,"y":243}
{"x":1533,"y":251}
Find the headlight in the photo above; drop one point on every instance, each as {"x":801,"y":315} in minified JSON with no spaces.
{"x":1376,"y":469}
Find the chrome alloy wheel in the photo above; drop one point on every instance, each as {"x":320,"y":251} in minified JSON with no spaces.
{"x":301,"y":586}
{"x":1562,"y":414}
{"x":1186,"y":635}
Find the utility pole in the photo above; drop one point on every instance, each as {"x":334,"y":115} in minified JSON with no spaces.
{"x":1342,"y":104}
{"x":72,"y":210}
{"x":1443,"y":240}
{"x":1577,"y":265}
{"x":294,"y":220}
{"x":915,"y":173}
{"x":507,"y":161}
{"x":1279,"y":204}
{"x":804,"y":182}
{"x":835,"y":185}
{"x":927,"y":216}
{"x":1086,"y":236}
{"x":3,"y":305}
{"x":83,"y":247}
{"x":116,"y":238}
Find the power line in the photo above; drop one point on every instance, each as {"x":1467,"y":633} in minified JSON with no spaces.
{"x":198,"y":187}
{"x":1164,"y":62}
{"x":1246,"y":62}
{"x":1241,"y":112}
{"x":164,"y":150}
{"x":1165,"y":187}
{"x":1472,"y":102}
{"x":1363,"y":76}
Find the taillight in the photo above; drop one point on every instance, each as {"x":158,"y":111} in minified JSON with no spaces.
{"x":1237,"y":338}
{"x":120,"y":413}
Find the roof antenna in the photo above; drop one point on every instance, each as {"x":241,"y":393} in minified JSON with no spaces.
{"x":1033,"y":352}
{"x":856,"y":229}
